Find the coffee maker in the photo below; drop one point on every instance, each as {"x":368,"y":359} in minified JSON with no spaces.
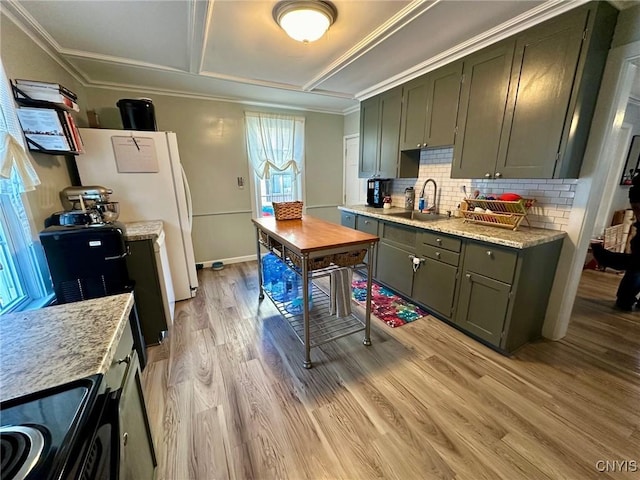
{"x":377,"y":189}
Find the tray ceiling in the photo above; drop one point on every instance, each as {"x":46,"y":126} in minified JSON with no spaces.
{"x":233,"y":49}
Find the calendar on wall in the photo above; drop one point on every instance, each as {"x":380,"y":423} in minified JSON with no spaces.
{"x":135,"y":154}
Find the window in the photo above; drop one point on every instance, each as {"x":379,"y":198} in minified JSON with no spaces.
{"x":275,"y":146}
{"x":24,"y":278}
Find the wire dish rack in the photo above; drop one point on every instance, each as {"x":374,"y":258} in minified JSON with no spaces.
{"x":500,"y":213}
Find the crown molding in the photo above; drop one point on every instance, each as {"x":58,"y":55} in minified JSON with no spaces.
{"x":517,"y":24}
{"x":184,"y":94}
{"x":350,"y":110}
{"x":380,"y":34}
{"x":634,"y":101}
{"x":25,"y":22}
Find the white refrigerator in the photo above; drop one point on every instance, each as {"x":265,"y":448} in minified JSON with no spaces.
{"x":143,"y":169}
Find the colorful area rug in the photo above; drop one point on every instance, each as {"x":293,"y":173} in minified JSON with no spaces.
{"x":386,"y":305}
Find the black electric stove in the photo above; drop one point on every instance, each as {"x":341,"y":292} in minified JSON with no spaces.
{"x":65,"y":432}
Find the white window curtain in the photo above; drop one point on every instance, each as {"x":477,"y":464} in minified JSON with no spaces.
{"x":274,"y":143}
{"x":24,"y":277}
{"x":14,"y":159}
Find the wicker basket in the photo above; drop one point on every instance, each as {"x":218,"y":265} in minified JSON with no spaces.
{"x":312,"y":263}
{"x":349,"y":259}
{"x":287,"y":210}
{"x":269,"y":242}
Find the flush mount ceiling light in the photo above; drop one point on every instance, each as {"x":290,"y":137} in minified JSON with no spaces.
{"x":305,"y":20}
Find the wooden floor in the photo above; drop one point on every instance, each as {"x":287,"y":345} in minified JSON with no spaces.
{"x":228,"y":397}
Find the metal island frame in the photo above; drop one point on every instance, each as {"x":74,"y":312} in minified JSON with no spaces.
{"x":313,"y":248}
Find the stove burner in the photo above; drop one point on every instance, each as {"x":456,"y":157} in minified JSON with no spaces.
{"x":20,"y":450}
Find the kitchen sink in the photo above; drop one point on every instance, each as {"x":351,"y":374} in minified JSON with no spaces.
{"x":419,"y":216}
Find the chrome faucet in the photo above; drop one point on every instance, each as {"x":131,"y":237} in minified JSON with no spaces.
{"x":422,"y":206}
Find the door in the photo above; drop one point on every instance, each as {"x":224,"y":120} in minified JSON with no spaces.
{"x":414,"y":114}
{"x":394,"y":268}
{"x":442,"y":110}
{"x":482,"y":306}
{"x":544,"y":69}
{"x":390,"y":117}
{"x":137,"y":459}
{"x":483,"y":98}
{"x":355,"y":188}
{"x":434,"y":286}
{"x":369,"y":131}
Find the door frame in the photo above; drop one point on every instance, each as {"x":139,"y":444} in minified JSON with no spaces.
{"x":599,"y":156}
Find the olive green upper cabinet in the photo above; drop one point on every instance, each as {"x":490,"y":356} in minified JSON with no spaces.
{"x":380,"y":136}
{"x":483,"y":97}
{"x":430,"y":105}
{"x":525,"y":112}
{"x":554,"y":85}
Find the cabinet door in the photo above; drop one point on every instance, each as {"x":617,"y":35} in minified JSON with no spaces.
{"x":390,"y":116}
{"x":482,"y":306}
{"x":414,"y":114}
{"x":143,"y":270}
{"x":442,"y":105}
{"x":138,"y":459}
{"x":483,"y":97}
{"x":394,"y":268}
{"x":544,"y":70}
{"x":348,"y":219}
{"x":434,"y":285}
{"x":368,"y":225}
{"x":369,"y":131}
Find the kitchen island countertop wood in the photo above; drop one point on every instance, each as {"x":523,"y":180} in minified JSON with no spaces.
{"x":51,"y":346}
{"x":310,"y":234}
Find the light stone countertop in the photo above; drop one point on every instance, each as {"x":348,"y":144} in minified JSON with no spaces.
{"x":524,"y":237}
{"x":148,"y":230}
{"x":51,"y":346}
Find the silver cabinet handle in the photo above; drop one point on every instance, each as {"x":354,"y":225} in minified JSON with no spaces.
{"x":367,"y":222}
{"x":438,"y":254}
{"x":438,"y":240}
{"x":468,"y":275}
{"x":126,"y":359}
{"x":418,"y":145}
{"x":125,"y":438}
{"x":498,"y":175}
{"x":424,"y":144}
{"x":489,"y":253}
{"x":487,"y":175}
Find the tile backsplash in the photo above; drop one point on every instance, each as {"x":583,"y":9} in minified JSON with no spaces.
{"x":554,"y":198}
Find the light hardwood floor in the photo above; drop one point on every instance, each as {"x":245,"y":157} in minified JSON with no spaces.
{"x":228,"y":397}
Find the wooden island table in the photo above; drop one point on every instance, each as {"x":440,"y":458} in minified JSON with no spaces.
{"x":313,"y":248}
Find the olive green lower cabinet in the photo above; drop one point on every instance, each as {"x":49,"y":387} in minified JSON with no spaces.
{"x":137,"y":453}
{"x":434,"y":283}
{"x":504,"y":292}
{"x":368,"y":225}
{"x":394,"y":265}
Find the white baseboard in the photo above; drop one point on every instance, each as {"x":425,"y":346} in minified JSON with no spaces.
{"x":226,"y":261}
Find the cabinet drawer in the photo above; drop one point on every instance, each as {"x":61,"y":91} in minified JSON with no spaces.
{"x":439,"y":254}
{"x":367,"y":225}
{"x":348,"y":219}
{"x":400,"y":235}
{"x":491,"y":261}
{"x":438,"y":240}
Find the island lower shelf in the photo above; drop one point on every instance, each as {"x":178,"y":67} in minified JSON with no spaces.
{"x":323,"y":326}
{"x":310,"y":249}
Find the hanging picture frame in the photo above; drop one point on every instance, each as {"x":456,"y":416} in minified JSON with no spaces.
{"x":633,"y":161}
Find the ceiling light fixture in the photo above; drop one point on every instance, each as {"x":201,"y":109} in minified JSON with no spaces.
{"x":305,"y":20}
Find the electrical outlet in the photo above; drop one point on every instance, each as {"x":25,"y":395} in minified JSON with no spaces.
{"x":240,"y":183}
